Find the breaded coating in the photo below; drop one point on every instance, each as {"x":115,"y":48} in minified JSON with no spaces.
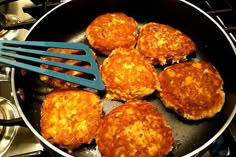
{"x":161,"y":44}
{"x":134,"y":129}
{"x":193,"y":90}
{"x":58,"y":83}
{"x":112,"y":30}
{"x":127,"y":75}
{"x":70,"y":118}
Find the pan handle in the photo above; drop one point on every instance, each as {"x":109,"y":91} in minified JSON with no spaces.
{"x":12,"y":122}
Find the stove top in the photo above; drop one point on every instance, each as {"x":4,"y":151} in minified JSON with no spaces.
{"x":25,"y":144}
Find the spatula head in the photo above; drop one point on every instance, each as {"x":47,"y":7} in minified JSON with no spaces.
{"x":27,"y":53}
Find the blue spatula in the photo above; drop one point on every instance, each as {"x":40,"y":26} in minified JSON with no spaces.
{"x":21,"y":53}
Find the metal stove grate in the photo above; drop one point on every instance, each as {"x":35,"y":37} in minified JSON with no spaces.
{"x":223,"y":11}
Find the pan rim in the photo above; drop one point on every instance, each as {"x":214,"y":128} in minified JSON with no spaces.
{"x":51,"y":146}
{"x":214,"y":21}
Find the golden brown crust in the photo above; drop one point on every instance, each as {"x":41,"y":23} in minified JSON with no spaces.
{"x":112,"y":30}
{"x":58,"y":83}
{"x":194,"y":90}
{"x":127,"y":75}
{"x":135,"y":129}
{"x":161,"y":43}
{"x":70,"y":118}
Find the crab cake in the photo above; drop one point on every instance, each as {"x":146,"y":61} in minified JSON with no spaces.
{"x":161,"y":44}
{"x":54,"y":82}
{"x":127,"y":75}
{"x":193,"y":90}
{"x":112,"y":30}
{"x":134,"y":129}
{"x":70,"y":118}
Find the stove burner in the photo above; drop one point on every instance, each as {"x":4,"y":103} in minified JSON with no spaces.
{"x":7,"y":134}
{"x":10,"y":34}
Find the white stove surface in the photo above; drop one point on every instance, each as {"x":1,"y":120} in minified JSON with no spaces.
{"x":15,"y":8}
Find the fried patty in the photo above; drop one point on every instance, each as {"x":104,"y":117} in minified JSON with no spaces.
{"x":127,"y":75}
{"x":134,"y":129}
{"x":70,"y":118}
{"x":161,"y":44}
{"x":58,"y":83}
{"x":193,"y":90}
{"x":112,"y":30}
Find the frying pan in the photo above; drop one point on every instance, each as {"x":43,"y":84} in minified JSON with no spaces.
{"x":68,"y":21}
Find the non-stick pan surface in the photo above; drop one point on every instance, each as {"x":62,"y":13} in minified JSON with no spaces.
{"x":68,"y":23}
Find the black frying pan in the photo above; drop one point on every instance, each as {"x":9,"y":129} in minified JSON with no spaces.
{"x":68,"y":22}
